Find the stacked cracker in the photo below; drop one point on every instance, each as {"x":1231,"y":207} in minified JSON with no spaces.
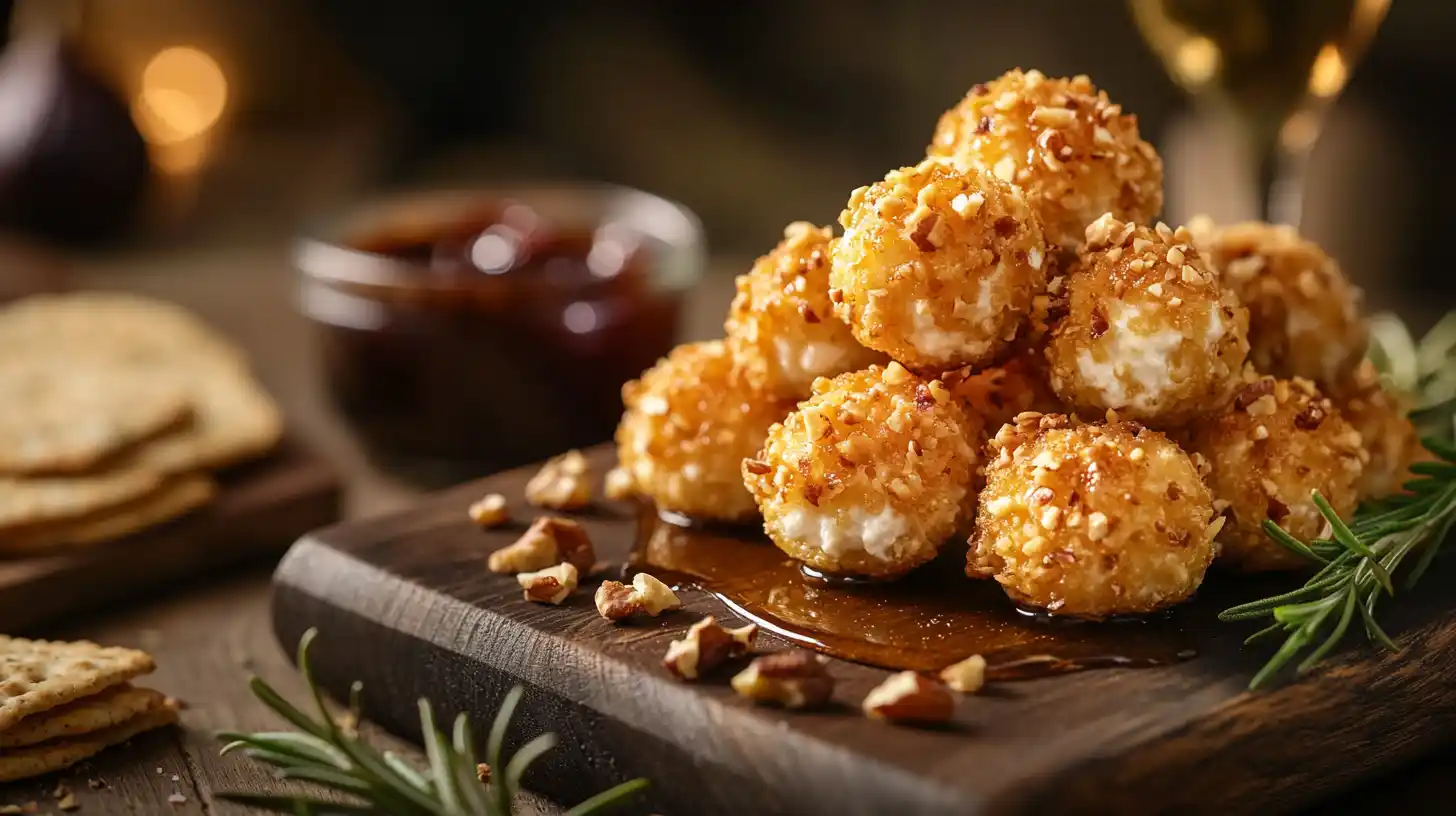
{"x":113,"y":411}
{"x":61,"y":703}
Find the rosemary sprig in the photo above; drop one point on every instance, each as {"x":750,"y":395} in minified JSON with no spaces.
{"x":1358,"y":559}
{"x":332,"y":756}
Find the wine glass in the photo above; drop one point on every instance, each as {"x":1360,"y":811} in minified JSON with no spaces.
{"x":1269,"y":67}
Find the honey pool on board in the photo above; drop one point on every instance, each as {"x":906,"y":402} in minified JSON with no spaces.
{"x":931,"y":619}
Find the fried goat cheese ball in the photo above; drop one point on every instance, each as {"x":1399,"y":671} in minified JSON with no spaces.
{"x":1304,"y":314}
{"x":1148,"y":331}
{"x":1278,"y":441}
{"x":992,"y":397}
{"x":1074,"y":152}
{"x":868,"y":477}
{"x":1390,"y":441}
{"x":1091,"y":520}
{"x":690,"y":421}
{"x":937,"y":267}
{"x":781,"y":328}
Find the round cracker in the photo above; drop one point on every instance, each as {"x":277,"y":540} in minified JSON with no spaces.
{"x":67,"y":416}
{"x":27,"y":503}
{"x":176,"y":497}
{"x":233,"y":420}
{"x":123,"y":324}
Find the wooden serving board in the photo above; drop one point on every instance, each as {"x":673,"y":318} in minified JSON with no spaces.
{"x":259,"y":510}
{"x":405,"y":604}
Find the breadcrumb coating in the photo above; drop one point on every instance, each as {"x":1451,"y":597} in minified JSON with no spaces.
{"x":1149,"y":331}
{"x":939,"y":268}
{"x":1278,"y":441}
{"x":690,"y":421}
{"x":782,"y":330}
{"x":869,"y":476}
{"x":1091,"y":520}
{"x":1304,"y":315}
{"x":992,"y":397}
{"x":1390,"y":441}
{"x":1073,"y":151}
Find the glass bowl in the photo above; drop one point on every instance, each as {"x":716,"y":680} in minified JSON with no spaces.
{"x":467,"y":331}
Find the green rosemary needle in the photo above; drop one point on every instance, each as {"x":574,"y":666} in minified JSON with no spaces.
{"x":332,"y":756}
{"x":1356,"y":563}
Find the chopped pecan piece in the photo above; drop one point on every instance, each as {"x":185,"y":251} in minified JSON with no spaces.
{"x":490,"y":511}
{"x":619,"y":485}
{"x":909,"y":697}
{"x":967,"y":676}
{"x":549,"y":540}
{"x":646,"y":595}
{"x":706,"y":646}
{"x":549,"y":585}
{"x":563,"y":483}
{"x":793,"y":679}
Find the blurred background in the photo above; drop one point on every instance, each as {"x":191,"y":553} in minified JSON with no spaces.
{"x":184,"y":145}
{"x":258,"y":114}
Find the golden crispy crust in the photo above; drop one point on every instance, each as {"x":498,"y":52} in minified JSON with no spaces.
{"x":1075,"y":153}
{"x":690,"y":421}
{"x":938,"y":267}
{"x":1148,"y":332}
{"x":868,"y":476}
{"x":1091,"y":520}
{"x":782,"y":330}
{"x":1389,"y":439}
{"x":1277,"y":441}
{"x":1304,"y":314}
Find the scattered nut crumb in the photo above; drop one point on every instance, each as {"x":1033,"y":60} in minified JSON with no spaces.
{"x":793,"y":679}
{"x":563,"y":483}
{"x":177,"y":799}
{"x":482,"y":772}
{"x":550,"y":540}
{"x":96,"y":784}
{"x":616,"y":600}
{"x":490,"y":511}
{"x":68,"y":802}
{"x":909,"y":697}
{"x":551,"y":585}
{"x":706,"y":646}
{"x":967,"y":676}
{"x":619,"y":485}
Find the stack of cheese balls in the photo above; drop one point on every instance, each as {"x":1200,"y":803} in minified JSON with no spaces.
{"x":1002,"y":347}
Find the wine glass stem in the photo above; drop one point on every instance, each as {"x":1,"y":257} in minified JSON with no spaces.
{"x":1280,"y":183}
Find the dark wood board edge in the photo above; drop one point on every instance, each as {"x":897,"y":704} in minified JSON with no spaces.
{"x":251,"y":520}
{"x":431,"y":642}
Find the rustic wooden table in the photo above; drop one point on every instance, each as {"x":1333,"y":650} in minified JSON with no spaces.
{"x":208,"y":637}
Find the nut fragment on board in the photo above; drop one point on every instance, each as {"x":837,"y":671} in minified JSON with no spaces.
{"x":706,"y":646}
{"x":549,"y":540}
{"x":490,"y":511}
{"x":909,"y":697}
{"x":646,"y":595}
{"x":967,"y":676}
{"x":549,"y":585}
{"x":619,"y":485}
{"x":792,"y":679}
{"x":563,"y":483}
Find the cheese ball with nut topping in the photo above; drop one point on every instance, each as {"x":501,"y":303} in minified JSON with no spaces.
{"x":868,"y":477}
{"x":1075,"y":153}
{"x":1148,"y":332}
{"x":1277,"y":441}
{"x":1390,"y":441}
{"x":1304,"y":315}
{"x":782,"y":330}
{"x":1091,"y":520}
{"x":992,"y":397}
{"x":938,"y":267}
{"x":690,"y":421}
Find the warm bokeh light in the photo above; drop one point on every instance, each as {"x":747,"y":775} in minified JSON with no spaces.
{"x":183,"y":94}
{"x":1197,"y":60}
{"x":1300,"y":131}
{"x":1329,"y":72}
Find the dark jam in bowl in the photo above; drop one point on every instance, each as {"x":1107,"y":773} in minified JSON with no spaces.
{"x":491,"y":339}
